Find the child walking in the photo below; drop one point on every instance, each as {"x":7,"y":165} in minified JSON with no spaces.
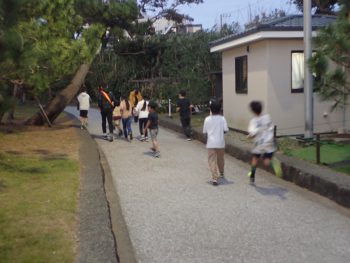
{"x":215,"y":126}
{"x":116,"y":119}
{"x":261,"y":129}
{"x":152,"y":125}
{"x":142,"y":110}
{"x":126,"y":113}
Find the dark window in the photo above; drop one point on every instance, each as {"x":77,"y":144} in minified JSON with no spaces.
{"x":241,"y":66}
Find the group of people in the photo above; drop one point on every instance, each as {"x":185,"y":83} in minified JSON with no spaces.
{"x":260,"y":129}
{"x":123,"y":110}
{"x":140,"y":109}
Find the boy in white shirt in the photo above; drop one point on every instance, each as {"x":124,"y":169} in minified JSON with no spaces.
{"x":215,"y":126}
{"x":84,"y":106}
{"x":261,"y":129}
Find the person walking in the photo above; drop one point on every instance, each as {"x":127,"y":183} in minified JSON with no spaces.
{"x":261,"y":130}
{"x":125,"y":110}
{"x":83,"y":106}
{"x":184,"y":107}
{"x":106,"y":106}
{"x":152,"y":125}
{"x":215,"y":126}
{"x":134,"y":97}
{"x":142,"y":109}
{"x":117,"y":118}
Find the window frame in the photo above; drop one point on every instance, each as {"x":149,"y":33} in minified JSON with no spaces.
{"x":298,"y":90}
{"x":241,"y":84}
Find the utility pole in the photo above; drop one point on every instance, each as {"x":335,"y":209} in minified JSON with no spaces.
{"x":308,"y":87}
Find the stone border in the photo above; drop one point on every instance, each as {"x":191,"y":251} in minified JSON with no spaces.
{"x":124,"y":246}
{"x":316,"y":178}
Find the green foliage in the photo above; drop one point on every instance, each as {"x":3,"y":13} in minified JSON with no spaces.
{"x":331,"y":62}
{"x":164,"y":63}
{"x":39,"y":47}
{"x":321,"y":6}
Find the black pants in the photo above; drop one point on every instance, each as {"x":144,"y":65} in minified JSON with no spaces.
{"x":186,"y":125}
{"x":142,"y":125}
{"x":107,"y":115}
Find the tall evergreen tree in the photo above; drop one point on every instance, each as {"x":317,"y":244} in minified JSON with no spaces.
{"x":331,"y":62}
{"x":321,"y":6}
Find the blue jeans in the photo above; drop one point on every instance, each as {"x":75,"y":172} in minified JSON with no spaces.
{"x":127,"y":126}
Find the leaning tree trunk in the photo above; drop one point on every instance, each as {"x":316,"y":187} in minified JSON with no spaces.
{"x":56,"y":105}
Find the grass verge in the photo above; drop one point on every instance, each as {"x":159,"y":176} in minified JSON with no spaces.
{"x":39,"y":183}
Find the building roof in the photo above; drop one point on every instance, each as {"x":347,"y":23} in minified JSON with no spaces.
{"x":282,"y":24}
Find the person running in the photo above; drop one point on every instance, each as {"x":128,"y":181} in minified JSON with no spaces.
{"x":261,"y":130}
{"x":134,"y":98}
{"x":215,"y":126}
{"x":106,"y":106}
{"x":152,"y":125}
{"x":125,"y":110}
{"x":184,"y":107}
{"x":84,"y":106}
{"x":142,"y":109}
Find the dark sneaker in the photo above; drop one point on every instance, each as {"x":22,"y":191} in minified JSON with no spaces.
{"x":156,"y":154}
{"x":152,"y":149}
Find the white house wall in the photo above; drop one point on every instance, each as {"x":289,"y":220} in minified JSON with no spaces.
{"x":286,"y":108}
{"x":269,"y":80}
{"x":236,"y":108}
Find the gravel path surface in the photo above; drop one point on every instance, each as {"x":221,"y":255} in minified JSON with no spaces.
{"x":174,"y":215}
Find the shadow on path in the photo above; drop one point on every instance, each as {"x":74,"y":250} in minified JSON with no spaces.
{"x":222,"y":181}
{"x":272,"y":191}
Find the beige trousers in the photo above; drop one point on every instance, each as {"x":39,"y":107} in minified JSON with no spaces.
{"x":216,"y":161}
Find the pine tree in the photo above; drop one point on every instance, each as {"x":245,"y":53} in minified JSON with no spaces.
{"x":331,"y":62}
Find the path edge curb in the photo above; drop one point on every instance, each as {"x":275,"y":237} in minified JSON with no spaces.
{"x":124,"y":248}
{"x":319,"y":179}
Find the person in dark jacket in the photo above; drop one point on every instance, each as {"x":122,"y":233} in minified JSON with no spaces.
{"x":184,"y":107}
{"x":106,"y":106}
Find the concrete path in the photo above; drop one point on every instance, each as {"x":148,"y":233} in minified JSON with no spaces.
{"x":173,"y":214}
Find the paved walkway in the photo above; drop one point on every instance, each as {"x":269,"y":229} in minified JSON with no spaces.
{"x":173,"y":214}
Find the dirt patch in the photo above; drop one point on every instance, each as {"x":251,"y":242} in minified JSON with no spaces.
{"x":61,"y":140}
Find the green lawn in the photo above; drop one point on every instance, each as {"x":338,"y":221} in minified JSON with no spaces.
{"x":37,"y":208}
{"x":330,"y":153}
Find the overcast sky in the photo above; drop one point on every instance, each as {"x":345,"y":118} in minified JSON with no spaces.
{"x":208,"y":14}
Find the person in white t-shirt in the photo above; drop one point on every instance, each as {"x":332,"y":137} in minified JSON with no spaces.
{"x":142,"y":112}
{"x":261,"y":130}
{"x":84,"y":106}
{"x":215,"y":126}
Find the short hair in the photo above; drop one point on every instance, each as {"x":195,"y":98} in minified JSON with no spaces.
{"x":215,"y":107}
{"x":182,"y":93}
{"x":152,"y":104}
{"x":256,"y":107}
